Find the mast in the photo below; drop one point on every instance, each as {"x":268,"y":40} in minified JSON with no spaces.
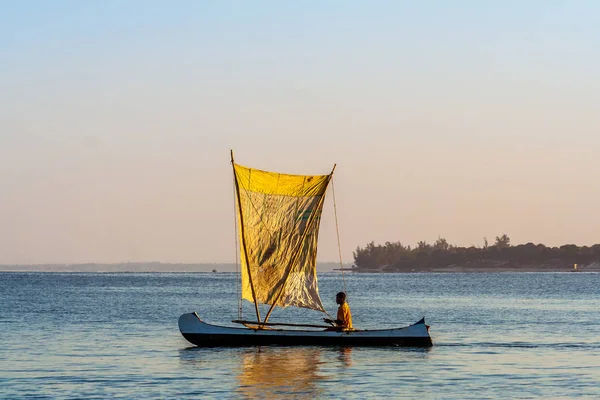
{"x":313,"y":219}
{"x":237,"y":191}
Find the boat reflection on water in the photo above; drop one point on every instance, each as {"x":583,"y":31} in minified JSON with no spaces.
{"x":271,"y":371}
{"x":345,"y":356}
{"x":297,"y":371}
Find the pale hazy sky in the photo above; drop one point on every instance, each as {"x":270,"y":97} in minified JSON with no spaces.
{"x":459,"y":119}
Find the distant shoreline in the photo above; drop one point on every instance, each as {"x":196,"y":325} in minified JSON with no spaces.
{"x":483,"y":266}
{"x":454,"y":270}
{"x":230,"y":268}
{"x":150,"y":267}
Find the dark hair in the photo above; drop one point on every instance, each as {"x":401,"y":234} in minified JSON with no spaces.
{"x":342,"y":295}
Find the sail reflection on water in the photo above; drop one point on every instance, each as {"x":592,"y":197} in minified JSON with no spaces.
{"x":268,"y":371}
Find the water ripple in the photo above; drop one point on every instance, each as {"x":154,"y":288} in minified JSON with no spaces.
{"x":115,"y":336}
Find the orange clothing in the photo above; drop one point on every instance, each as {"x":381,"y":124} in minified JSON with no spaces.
{"x":344,"y":315}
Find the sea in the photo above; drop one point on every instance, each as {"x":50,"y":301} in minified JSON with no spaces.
{"x":115,"y":335}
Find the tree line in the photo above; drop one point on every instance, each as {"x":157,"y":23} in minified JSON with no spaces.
{"x":396,"y":256}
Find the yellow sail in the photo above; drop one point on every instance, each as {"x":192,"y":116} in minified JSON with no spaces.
{"x":278,"y":220}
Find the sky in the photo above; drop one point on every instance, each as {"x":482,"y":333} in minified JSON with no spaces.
{"x":462,"y":120}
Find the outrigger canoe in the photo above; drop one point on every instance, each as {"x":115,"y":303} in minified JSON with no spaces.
{"x":278,"y":218}
{"x":202,"y":334}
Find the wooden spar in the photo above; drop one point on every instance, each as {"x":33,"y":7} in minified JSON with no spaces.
{"x":237,"y":190}
{"x":321,"y":201}
{"x":237,"y":321}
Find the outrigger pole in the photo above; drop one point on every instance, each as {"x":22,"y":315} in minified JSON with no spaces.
{"x":237,"y":321}
{"x":237,"y":191}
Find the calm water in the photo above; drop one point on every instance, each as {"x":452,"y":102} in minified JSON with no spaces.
{"x":502,"y":335}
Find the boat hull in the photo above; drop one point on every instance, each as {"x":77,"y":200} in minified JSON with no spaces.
{"x":206,"y":335}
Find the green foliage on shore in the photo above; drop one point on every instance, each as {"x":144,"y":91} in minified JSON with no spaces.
{"x":398,"y":257}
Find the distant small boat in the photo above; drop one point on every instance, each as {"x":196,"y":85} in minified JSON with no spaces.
{"x":575,"y":268}
{"x":278,"y":218}
{"x":214,"y":270}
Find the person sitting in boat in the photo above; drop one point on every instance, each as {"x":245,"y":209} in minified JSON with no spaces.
{"x":344,"y":316}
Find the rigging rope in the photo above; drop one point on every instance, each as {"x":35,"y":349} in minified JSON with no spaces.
{"x":337,"y":230}
{"x":238,"y":270}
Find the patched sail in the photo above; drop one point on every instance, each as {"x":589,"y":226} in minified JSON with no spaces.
{"x":278,"y":221}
